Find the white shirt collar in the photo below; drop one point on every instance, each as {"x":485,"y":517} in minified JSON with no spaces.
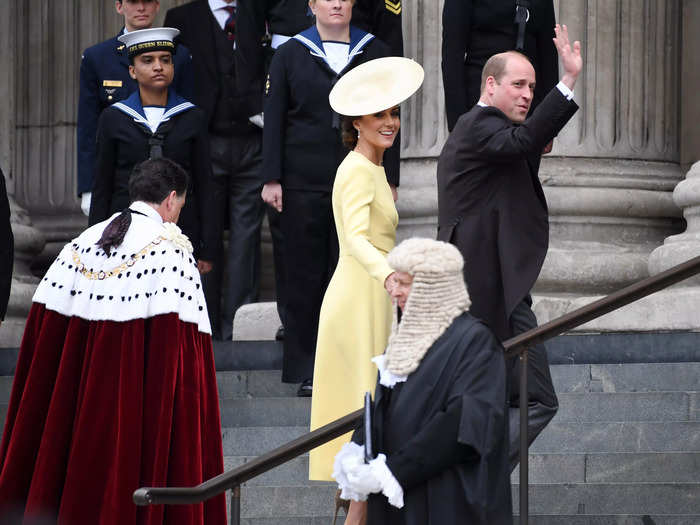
{"x":482,"y":104}
{"x":214,"y":5}
{"x":147,"y":210}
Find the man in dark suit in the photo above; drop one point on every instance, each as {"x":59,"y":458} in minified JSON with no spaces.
{"x":492,"y":207}
{"x":227,"y":57}
{"x":7,"y":248}
{"x":104,"y":80}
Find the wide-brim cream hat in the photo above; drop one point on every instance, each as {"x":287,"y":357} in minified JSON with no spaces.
{"x":376,"y":85}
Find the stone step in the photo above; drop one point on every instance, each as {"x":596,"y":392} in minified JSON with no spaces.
{"x":564,"y":499}
{"x":612,"y":498}
{"x":610,"y":519}
{"x":656,"y":377}
{"x":254,"y":441}
{"x":655,"y":467}
{"x":533,"y":520}
{"x":623,"y":467}
{"x":573,"y":407}
{"x":610,"y":437}
{"x":558,"y":437}
{"x":629,"y":377}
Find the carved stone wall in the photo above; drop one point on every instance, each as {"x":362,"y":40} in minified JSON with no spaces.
{"x":610,"y":178}
{"x":423,"y":123}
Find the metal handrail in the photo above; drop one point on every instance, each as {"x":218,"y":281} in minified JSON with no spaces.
{"x":515,"y":345}
{"x":259,"y":465}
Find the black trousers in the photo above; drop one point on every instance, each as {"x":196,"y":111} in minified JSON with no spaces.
{"x":234,"y":281}
{"x":274,"y":219}
{"x":542,"y":400}
{"x":310,"y":245}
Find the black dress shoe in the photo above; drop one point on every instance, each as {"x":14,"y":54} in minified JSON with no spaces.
{"x":305,"y":388}
{"x":279,"y":336}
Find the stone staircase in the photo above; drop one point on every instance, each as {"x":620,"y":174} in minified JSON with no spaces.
{"x":624,"y":448}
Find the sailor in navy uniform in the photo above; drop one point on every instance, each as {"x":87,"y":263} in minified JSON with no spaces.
{"x":104,"y":80}
{"x":282,"y":19}
{"x":286,"y":18}
{"x":302,"y":151}
{"x":129,"y":133}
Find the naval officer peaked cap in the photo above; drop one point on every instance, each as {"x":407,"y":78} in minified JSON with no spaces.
{"x":376,"y":85}
{"x":147,"y":40}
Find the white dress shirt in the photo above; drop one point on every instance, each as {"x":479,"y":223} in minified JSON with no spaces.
{"x":217,"y":9}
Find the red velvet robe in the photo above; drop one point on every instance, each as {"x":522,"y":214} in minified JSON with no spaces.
{"x":101,"y":407}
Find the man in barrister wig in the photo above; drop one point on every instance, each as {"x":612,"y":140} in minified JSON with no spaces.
{"x":115,"y":384}
{"x":439,"y":423}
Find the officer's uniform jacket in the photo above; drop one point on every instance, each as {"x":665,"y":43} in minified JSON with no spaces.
{"x":124,"y":139}
{"x":104,"y":80}
{"x":301,"y":139}
{"x":382,"y":18}
{"x":474,"y":30}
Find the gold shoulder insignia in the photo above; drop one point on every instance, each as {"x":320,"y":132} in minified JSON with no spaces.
{"x":121,"y":47}
{"x":393,"y":7}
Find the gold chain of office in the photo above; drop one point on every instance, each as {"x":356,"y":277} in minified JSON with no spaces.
{"x":100,"y":276}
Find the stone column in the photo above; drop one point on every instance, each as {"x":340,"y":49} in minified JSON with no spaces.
{"x":49,"y":45}
{"x":423,"y":122}
{"x":28,"y":240}
{"x":610,"y":176}
{"x":609,"y":179}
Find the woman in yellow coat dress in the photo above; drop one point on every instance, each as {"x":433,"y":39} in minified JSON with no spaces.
{"x":356,"y":313}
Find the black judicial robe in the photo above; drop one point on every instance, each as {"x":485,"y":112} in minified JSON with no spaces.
{"x":124,"y":140}
{"x":444,"y":432}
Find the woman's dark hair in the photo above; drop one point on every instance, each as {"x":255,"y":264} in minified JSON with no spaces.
{"x":348,"y":133}
{"x":154,"y":179}
{"x":151,"y":181}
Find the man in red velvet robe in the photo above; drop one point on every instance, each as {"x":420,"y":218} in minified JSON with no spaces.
{"x":115,"y":384}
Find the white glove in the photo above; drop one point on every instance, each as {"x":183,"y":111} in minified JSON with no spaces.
{"x":357,"y":479}
{"x":363,"y":480}
{"x":258,"y":120}
{"x":350,"y":455}
{"x":389,"y":484}
{"x":85,"y":202}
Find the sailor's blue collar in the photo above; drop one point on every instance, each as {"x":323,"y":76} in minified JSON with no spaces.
{"x":132,"y":106}
{"x":312,"y":40}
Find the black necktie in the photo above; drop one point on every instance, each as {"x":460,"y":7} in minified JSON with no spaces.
{"x":230,"y":25}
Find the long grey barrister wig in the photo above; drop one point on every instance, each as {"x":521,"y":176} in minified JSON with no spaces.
{"x":438,"y":296}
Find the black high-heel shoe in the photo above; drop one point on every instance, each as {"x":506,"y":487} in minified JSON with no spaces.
{"x":340,"y":503}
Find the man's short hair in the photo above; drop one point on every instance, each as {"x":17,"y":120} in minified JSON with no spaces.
{"x":154,"y":179}
{"x":496,"y":66}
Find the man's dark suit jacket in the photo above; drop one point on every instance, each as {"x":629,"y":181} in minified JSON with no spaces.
{"x":491,"y":204}
{"x":197,"y":23}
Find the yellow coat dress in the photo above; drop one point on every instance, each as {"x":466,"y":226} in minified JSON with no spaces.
{"x":355,"y":318}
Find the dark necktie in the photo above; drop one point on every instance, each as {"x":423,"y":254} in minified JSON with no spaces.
{"x":230,"y":25}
